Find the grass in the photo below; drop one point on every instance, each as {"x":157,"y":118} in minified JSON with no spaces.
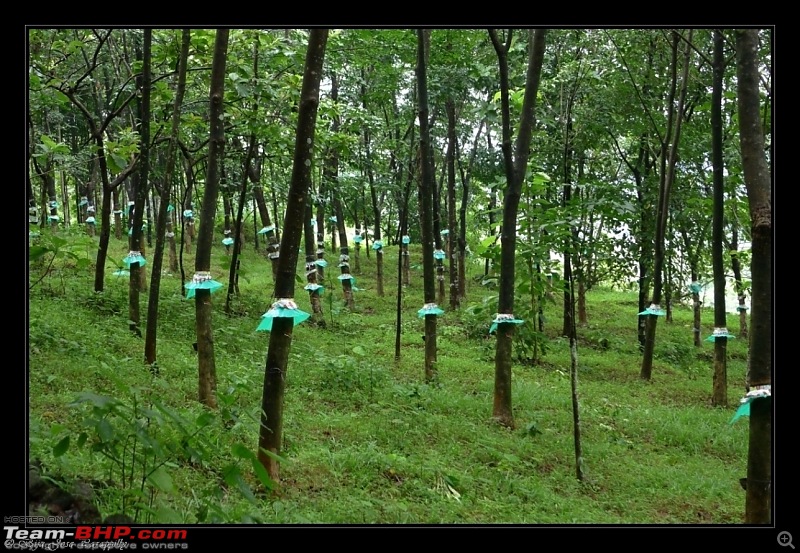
{"x":366,"y":441}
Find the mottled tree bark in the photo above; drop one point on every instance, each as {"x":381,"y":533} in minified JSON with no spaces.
{"x":207,"y":371}
{"x":280,"y":339}
{"x":425,"y":194}
{"x":669,"y":153}
{"x":719,"y":390}
{"x":758,"y":181}
{"x":515,"y":168}
{"x":164,"y":220}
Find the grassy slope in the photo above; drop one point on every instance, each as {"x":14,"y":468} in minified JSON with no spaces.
{"x":365,"y":440}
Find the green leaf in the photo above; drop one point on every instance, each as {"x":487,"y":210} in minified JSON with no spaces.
{"x":35,"y":252}
{"x":61,"y":447}
{"x":233,"y":477}
{"x":359,"y":350}
{"x":204,"y":419}
{"x":263,"y":475}
{"x":242,"y":451}
{"x":105,"y":430}
{"x":161,"y":479}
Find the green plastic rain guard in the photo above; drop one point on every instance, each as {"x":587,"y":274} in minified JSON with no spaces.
{"x":347,"y":276}
{"x":227,"y":241}
{"x":53,"y":217}
{"x":319,"y":288}
{"x":313,"y":222}
{"x":134,"y":257}
{"x":758,"y":392}
{"x":333,"y":219}
{"x":741,"y":308}
{"x":265,"y":230}
{"x":170,"y":208}
{"x":283,"y":308}
{"x":201,"y":281}
{"x":377,"y":244}
{"x":90,"y":220}
{"x":121,"y":273}
{"x":696,"y":287}
{"x":444,"y":232}
{"x":358,"y":238}
{"x":654,"y":310}
{"x":429,"y":309}
{"x":53,"y":204}
{"x":84,"y":201}
{"x":438,"y":254}
{"x":144,"y":228}
{"x":718,"y":333}
{"x":504,"y":318}
{"x":321,"y":263}
{"x":188,"y":213}
{"x":406,"y":239}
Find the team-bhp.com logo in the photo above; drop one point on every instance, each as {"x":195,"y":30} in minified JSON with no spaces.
{"x":94,"y":537}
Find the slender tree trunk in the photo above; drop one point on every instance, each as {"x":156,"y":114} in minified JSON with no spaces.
{"x":759,"y":193}
{"x":741,"y":292}
{"x":455,"y":300}
{"x":669,"y":148}
{"x":280,"y":339}
{"x":164,"y":220}
{"x":515,"y":169}
{"x":719,"y":394}
{"x":233,"y":275}
{"x":207,"y":372}
{"x":140,"y":184}
{"x":314,"y":290}
{"x":426,"y":207}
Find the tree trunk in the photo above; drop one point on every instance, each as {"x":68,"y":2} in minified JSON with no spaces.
{"x":455,"y":300}
{"x":164,"y":220}
{"x":719,"y":394}
{"x":280,"y":339}
{"x":207,"y":372}
{"x":429,"y":309}
{"x":759,"y":193}
{"x":741,"y":291}
{"x":515,"y":168}
{"x":141,"y":183}
{"x":669,"y":147}
{"x":314,"y":290}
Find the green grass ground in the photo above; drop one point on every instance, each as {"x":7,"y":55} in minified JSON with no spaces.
{"x":365,"y":439}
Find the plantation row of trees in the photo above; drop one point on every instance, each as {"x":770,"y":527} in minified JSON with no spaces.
{"x":637,"y":156}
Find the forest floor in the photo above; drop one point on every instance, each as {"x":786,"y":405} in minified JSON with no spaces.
{"x":365,"y":439}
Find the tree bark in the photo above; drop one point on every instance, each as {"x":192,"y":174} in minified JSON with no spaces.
{"x":719,"y":394}
{"x":280,"y":339}
{"x":207,"y":372}
{"x":426,"y":205}
{"x":759,"y":193}
{"x":164,"y":220}
{"x":669,"y":149}
{"x":515,"y":168}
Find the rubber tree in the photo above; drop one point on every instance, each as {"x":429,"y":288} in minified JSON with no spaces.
{"x":758,"y":181}
{"x":135,"y":258}
{"x":515,"y":163}
{"x":164,"y":219}
{"x":719,"y":390}
{"x":315,"y":290}
{"x":425,"y":192}
{"x":280,"y":338}
{"x":669,"y":154}
{"x":207,"y":373}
